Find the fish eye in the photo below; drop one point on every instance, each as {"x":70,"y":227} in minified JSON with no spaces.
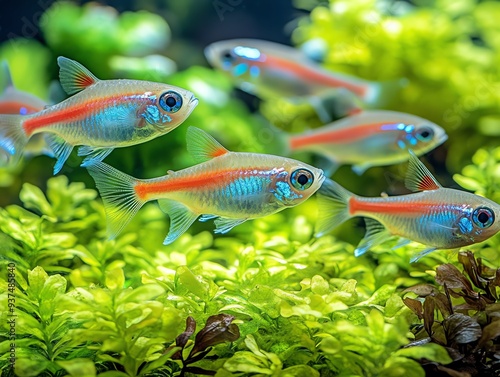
{"x":171,"y":101}
{"x":302,"y":179}
{"x":227,"y":56}
{"x":483,"y":217}
{"x":425,"y":133}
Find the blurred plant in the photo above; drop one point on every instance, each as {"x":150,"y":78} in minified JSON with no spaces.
{"x":463,"y":317}
{"x":448,"y":51}
{"x":93,"y":34}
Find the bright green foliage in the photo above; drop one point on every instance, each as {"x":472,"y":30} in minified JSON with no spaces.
{"x":302,"y":307}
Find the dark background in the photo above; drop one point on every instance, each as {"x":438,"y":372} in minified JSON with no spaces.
{"x":200,"y":21}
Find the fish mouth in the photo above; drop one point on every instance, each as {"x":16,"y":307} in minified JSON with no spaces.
{"x":193,"y":102}
{"x":442,"y":138}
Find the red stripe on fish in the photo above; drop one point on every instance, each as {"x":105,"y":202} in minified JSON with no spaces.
{"x":75,"y":112}
{"x":14,"y":107}
{"x":357,"y":205}
{"x":173,"y":183}
{"x":315,"y":76}
{"x":340,"y":136}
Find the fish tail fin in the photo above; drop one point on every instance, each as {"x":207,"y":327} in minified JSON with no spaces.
{"x":13,"y":139}
{"x":333,"y":202}
{"x":120,"y":199}
{"x":382,"y":94}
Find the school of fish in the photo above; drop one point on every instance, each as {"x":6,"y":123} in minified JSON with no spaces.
{"x":233,"y":187}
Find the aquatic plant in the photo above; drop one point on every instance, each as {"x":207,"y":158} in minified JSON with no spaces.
{"x":267,"y":298}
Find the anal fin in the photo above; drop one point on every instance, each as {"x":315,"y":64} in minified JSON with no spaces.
{"x":376,"y":234}
{"x":61,"y":150}
{"x":181,"y":218}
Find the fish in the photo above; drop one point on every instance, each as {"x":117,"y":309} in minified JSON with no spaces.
{"x":15,"y":101}
{"x":230,"y":187}
{"x":435,"y":216}
{"x":269,"y":70}
{"x":99,"y":116}
{"x":370,"y":138}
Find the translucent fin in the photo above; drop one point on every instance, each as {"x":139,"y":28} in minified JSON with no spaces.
{"x":7,"y":77}
{"x":202,"y":146}
{"x":181,"y":218}
{"x":422,"y":254}
{"x":375,"y":235}
{"x":61,"y":150}
{"x":418,"y":177}
{"x":119,"y":197}
{"x":94,"y":155}
{"x":321,"y":111}
{"x":204,"y":218}
{"x":401,"y":243}
{"x":359,"y":169}
{"x":74,"y":77}
{"x":224,"y":225}
{"x":12,"y":137}
{"x":333,"y":204}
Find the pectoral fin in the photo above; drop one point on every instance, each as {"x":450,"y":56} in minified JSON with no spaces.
{"x":93,"y":154}
{"x":61,"y":150}
{"x":181,"y":218}
{"x":422,"y":254}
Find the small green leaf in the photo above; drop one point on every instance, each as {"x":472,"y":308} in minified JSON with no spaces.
{"x":115,"y":279}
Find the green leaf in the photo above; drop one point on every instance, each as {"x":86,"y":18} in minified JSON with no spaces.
{"x":430,"y":351}
{"x":115,"y":279}
{"x":36,"y":280}
{"x":187,"y":279}
{"x":33,"y":198}
{"x":79,"y":367}
{"x":299,"y":371}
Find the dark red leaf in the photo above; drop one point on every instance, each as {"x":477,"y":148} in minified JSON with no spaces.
{"x":461,"y":329}
{"x":218,"y":329}
{"x":443,"y":304}
{"x":182,"y":339}
{"x":415,"y":306}
{"x":466,"y":258}
{"x":422,"y":290}
{"x":490,"y":332}
{"x":429,"y":314}
{"x":450,"y":275}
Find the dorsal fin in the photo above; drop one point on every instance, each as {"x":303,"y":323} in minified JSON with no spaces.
{"x":7,"y":78}
{"x":202,"y":146}
{"x":74,"y":77}
{"x":418,"y":177}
